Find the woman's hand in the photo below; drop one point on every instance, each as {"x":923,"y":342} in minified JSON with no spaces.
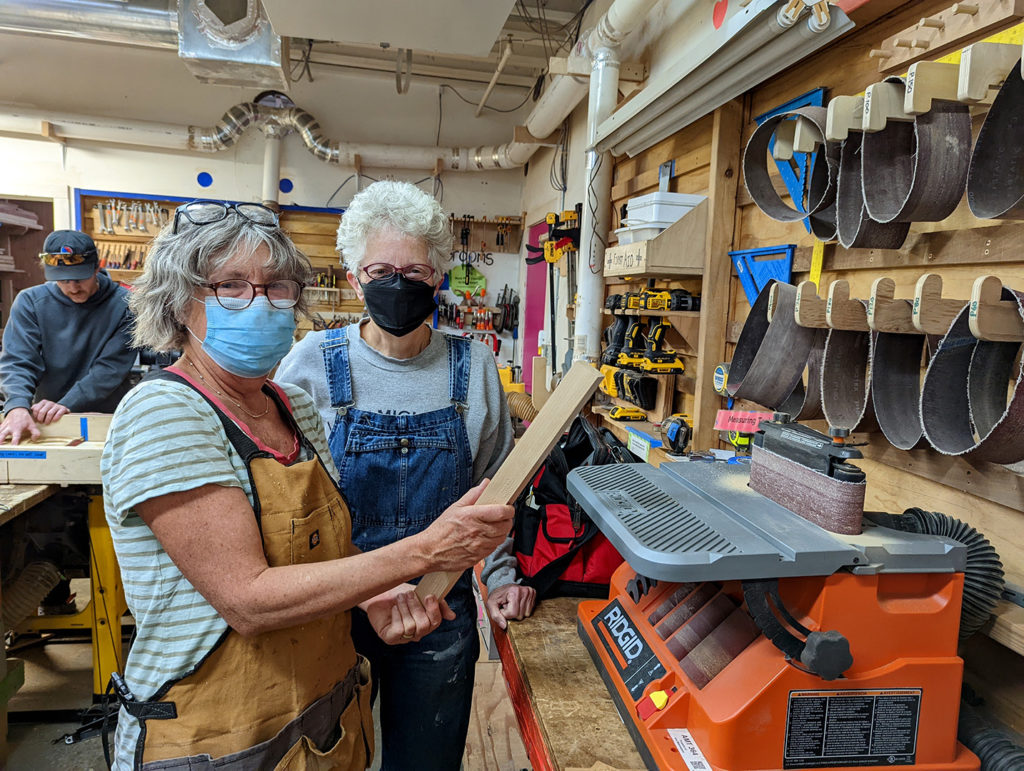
{"x":511,"y":601}
{"x":398,"y":616}
{"x":46,"y":411}
{"x":465,"y":533}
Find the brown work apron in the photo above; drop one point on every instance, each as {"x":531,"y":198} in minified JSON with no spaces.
{"x":295,"y":698}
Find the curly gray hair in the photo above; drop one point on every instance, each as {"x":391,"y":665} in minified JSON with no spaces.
{"x":178,"y":264}
{"x":400,"y":207}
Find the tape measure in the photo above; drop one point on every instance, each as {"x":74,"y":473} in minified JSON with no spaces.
{"x":676,"y":433}
{"x":721,"y":378}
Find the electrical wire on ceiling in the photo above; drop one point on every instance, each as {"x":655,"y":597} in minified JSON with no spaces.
{"x":554,"y":37}
{"x":301,"y":65}
{"x":558,"y":173}
{"x":528,"y":97}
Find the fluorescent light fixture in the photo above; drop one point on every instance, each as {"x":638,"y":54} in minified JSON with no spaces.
{"x":750,"y":47}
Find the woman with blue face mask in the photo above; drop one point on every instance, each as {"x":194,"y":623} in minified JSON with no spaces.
{"x":414,"y":419}
{"x":233,"y":537}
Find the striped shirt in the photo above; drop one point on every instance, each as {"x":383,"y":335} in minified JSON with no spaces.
{"x":165,"y":438}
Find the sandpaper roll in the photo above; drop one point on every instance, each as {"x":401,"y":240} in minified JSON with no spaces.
{"x":670,"y":602}
{"x":995,"y":183}
{"x":834,"y":504}
{"x":718,"y":649}
{"x":758,"y":180}
{"x":805,"y":401}
{"x":854,"y":227}
{"x":685,"y":610}
{"x":770,"y":357}
{"x":916,"y":171}
{"x":896,"y":388}
{"x":964,"y":405}
{"x":846,"y":380}
{"x":700,"y":626}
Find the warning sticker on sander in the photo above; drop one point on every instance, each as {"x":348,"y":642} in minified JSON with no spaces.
{"x":637,"y":665}
{"x":825,"y":729}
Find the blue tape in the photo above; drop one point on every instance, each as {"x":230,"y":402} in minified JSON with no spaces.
{"x":23,"y":454}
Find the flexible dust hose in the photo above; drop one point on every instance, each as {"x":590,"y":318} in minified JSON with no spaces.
{"x":983,"y":575}
{"x":23,"y":595}
{"x":993,"y":747}
{"x":521,"y":406}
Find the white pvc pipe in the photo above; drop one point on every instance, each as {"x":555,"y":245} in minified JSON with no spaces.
{"x":596,"y":221}
{"x":271,"y":167}
{"x":17,"y":120}
{"x":505,"y":56}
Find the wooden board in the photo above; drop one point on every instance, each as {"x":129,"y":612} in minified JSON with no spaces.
{"x":530,"y":451}
{"x":51,"y":461}
{"x":493,"y":742}
{"x":679,"y":250}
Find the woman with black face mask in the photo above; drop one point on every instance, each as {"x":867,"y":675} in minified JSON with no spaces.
{"x":414,"y":418}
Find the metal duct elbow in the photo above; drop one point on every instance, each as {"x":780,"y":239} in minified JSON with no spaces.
{"x":227,"y":131}
{"x":307,"y":127}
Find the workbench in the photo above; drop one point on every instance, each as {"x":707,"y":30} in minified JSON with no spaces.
{"x":14,"y":501}
{"x":566,"y":716}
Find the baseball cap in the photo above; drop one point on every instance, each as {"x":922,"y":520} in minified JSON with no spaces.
{"x":69,"y":255}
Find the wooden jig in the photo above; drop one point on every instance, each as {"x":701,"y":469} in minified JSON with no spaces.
{"x":991,"y":317}
{"x":886,"y":313}
{"x":843,"y":313}
{"x":932,"y":313}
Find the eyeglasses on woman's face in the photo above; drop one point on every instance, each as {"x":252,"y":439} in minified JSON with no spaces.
{"x":208,"y":212}
{"x":417,"y":272}
{"x":237,"y":294}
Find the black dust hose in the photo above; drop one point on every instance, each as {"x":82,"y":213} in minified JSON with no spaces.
{"x":993,"y":747}
{"x":983,"y":576}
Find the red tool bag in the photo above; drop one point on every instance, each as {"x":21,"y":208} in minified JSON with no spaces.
{"x":560,"y":550}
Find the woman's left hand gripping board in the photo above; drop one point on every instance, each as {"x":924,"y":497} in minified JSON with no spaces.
{"x":398,"y":616}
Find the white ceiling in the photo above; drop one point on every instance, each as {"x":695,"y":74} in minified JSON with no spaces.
{"x":466,"y":27}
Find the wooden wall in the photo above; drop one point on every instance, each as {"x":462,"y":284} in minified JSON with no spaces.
{"x":960,"y":249}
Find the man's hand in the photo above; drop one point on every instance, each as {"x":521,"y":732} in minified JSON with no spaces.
{"x":510,"y":601}
{"x":18,"y":425}
{"x":465,"y":533}
{"x":45,"y":411}
{"x":398,"y":617}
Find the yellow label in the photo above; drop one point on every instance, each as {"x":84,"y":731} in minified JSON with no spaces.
{"x":817,"y":258}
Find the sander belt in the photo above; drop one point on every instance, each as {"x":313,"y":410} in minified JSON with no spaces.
{"x":964,"y":405}
{"x":834,"y":504}
{"x":846,"y":380}
{"x":854,"y":227}
{"x":995,"y":184}
{"x":770,"y":357}
{"x":896,"y":388}
{"x":916,"y":171}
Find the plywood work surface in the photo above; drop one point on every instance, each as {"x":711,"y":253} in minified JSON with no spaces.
{"x":16,"y":499}
{"x":577,"y":721}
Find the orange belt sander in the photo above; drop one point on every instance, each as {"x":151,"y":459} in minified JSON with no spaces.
{"x":740,"y":635}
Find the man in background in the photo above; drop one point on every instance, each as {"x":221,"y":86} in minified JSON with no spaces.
{"x":66,"y":343}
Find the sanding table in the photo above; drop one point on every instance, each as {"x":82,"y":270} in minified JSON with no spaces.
{"x":566,"y":716}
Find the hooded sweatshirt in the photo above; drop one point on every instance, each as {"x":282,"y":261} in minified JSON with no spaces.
{"x":78,"y":355}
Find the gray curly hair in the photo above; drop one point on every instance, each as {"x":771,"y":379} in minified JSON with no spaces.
{"x":179,"y":263}
{"x":400,"y":207}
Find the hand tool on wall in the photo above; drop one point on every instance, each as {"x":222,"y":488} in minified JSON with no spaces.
{"x":99,"y":219}
{"x":676,"y":432}
{"x":616,"y":338}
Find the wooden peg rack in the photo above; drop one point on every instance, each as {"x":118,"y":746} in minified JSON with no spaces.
{"x":991,"y":317}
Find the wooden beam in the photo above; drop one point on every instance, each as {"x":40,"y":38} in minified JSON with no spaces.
{"x":522,"y":135}
{"x":526,"y":457}
{"x":48,"y":131}
{"x":726,"y":146}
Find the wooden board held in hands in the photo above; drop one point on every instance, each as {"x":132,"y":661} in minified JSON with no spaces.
{"x":530,"y":451}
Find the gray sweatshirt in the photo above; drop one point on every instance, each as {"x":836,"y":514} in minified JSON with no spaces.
{"x":76,"y":354}
{"x":417,"y":385}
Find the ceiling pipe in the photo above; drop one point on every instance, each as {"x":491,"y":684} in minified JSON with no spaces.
{"x":152,"y":23}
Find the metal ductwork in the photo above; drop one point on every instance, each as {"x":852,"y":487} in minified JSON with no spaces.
{"x":226,"y":42}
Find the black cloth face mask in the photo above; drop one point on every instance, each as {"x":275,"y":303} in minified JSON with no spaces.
{"x":398,"y":305}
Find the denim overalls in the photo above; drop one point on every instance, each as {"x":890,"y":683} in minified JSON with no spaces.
{"x":398,"y":474}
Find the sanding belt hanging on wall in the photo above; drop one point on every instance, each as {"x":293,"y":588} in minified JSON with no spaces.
{"x":896,"y":387}
{"x":866,"y":190}
{"x":917,"y":171}
{"x":964,"y":405}
{"x":846,"y":380}
{"x":995,"y":184}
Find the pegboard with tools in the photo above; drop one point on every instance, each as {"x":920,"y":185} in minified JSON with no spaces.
{"x":478,"y":239}
{"x":480,"y":299}
{"x":123,"y":227}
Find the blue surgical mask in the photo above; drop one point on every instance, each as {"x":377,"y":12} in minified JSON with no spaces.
{"x":249,"y":342}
